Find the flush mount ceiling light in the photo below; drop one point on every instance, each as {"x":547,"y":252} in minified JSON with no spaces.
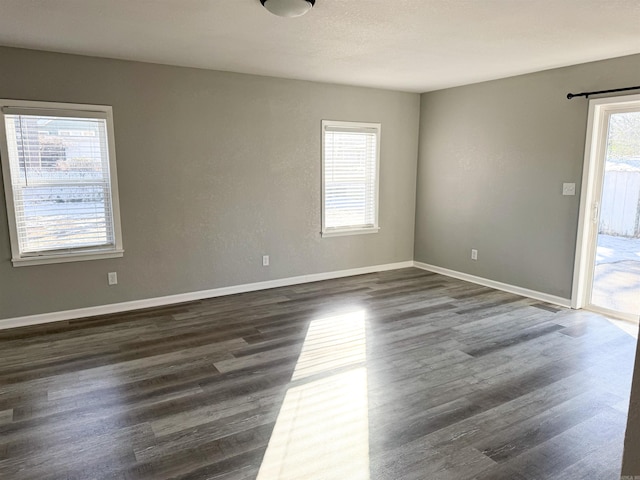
{"x":288,"y":8}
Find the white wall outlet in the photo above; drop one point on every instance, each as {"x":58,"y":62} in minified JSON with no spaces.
{"x":113,"y":278}
{"x":568,"y":189}
{"x":474,"y":254}
{"x":265,"y":260}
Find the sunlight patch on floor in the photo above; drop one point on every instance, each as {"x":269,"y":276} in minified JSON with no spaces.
{"x":630,"y":328}
{"x":322,"y":430}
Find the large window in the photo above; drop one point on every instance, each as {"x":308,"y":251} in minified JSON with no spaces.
{"x":58,"y":165}
{"x":350,"y":163}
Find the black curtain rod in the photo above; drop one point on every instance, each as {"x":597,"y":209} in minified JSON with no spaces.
{"x":586,"y":94}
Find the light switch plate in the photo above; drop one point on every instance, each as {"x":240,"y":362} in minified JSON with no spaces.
{"x":568,"y":189}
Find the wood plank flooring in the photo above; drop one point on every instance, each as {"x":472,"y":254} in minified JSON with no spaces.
{"x":395,"y":375}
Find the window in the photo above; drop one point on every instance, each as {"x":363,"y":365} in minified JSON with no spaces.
{"x":350,"y":162}
{"x":58,"y":165}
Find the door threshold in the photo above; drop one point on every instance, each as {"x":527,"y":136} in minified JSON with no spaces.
{"x":625,"y":321}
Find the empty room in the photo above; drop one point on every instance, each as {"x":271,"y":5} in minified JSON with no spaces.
{"x":298,"y":239}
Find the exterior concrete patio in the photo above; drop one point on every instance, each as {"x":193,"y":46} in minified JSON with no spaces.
{"x":616,"y":283}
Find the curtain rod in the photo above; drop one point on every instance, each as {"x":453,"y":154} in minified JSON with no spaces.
{"x":586,"y":94}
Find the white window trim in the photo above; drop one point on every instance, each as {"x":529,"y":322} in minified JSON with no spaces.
{"x":59,"y":109}
{"x":342,"y":231}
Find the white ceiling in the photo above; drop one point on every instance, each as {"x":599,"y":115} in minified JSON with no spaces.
{"x":410,"y":45}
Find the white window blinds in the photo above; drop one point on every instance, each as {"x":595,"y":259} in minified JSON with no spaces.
{"x":350,"y":177}
{"x":60,"y":181}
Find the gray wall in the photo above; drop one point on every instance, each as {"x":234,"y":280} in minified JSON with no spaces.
{"x":492,"y":160}
{"x":631,"y":461}
{"x":215,"y":169}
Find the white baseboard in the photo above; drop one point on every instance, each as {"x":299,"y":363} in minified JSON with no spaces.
{"x":191,"y":296}
{"x":525,"y":292}
{"x":251,"y":287}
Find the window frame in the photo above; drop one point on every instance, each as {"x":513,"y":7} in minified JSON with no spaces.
{"x":69,"y":110}
{"x":352,"y":230}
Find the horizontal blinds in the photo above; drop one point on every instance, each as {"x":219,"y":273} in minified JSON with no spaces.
{"x":53,"y":112}
{"x":335,"y":128}
{"x":61,"y":183}
{"x":350,"y":158}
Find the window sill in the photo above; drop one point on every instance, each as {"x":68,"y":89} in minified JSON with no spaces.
{"x":349,"y":231}
{"x":66,"y":257}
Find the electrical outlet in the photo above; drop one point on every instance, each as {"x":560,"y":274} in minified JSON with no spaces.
{"x":474,"y":254}
{"x":568,"y":189}
{"x":113,"y":278}
{"x":265,"y":260}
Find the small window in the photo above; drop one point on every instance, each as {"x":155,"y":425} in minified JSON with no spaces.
{"x":350,"y":163}
{"x":58,"y":165}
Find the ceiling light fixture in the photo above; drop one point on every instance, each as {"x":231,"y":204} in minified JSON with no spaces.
{"x":288,"y":8}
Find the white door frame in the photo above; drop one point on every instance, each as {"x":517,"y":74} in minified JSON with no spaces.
{"x":594,"y":158}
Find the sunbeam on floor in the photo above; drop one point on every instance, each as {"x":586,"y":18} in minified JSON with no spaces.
{"x":322,"y":430}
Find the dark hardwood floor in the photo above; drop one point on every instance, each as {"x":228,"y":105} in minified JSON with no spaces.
{"x":395,"y":375}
